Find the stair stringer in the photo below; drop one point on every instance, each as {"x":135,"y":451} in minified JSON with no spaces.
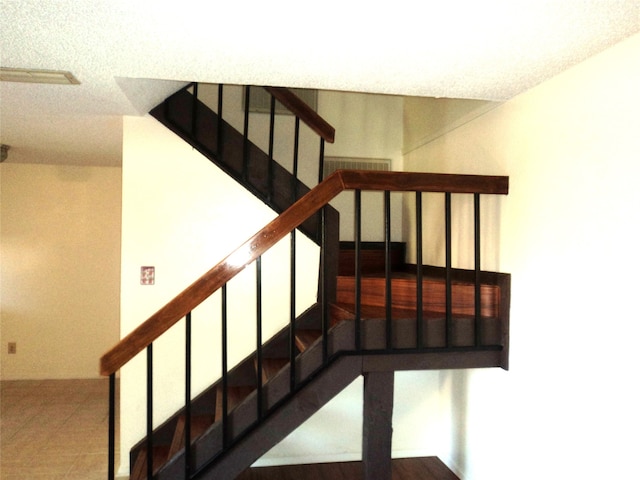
{"x":325,"y":386}
{"x":241,"y":159}
{"x":275,"y":427}
{"x":176,"y":114}
{"x":320,"y":385}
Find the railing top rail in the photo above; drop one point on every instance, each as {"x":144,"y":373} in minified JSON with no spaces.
{"x":424,"y":182}
{"x":258,"y":244}
{"x":303,"y":111}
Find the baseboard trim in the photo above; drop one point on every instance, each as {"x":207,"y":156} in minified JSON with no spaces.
{"x":332,"y":458}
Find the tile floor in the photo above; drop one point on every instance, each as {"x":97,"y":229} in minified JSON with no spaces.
{"x":54,"y":429}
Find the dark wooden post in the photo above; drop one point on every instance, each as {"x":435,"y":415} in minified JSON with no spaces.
{"x":377,"y":425}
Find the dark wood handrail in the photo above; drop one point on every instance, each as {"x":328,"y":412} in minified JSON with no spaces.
{"x":258,"y":244}
{"x":303,"y":111}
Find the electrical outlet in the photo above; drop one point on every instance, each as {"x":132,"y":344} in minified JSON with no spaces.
{"x":13,"y":348}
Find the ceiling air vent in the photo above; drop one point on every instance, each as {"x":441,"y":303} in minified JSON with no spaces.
{"x":331,"y":164}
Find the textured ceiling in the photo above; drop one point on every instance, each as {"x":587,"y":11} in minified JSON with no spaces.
{"x":129,"y":55}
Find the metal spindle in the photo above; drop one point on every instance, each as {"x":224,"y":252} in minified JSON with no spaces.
{"x":358,"y":268}
{"x":476,"y":221}
{"x":112,"y":427}
{"x":296,"y":148}
{"x":419,"y":283}
{"x":194,"y":110}
{"x":292,"y":314}
{"x":150,"y":411}
{"x":448,"y":255}
{"x":323,"y":286}
{"x":220,"y":131}
{"x":387,"y":268}
{"x":187,"y":398}
{"x":225,"y":367}
{"x":321,"y":161}
{"x":292,"y":288}
{"x":320,"y":177}
{"x":259,"y":336}
{"x":245,"y":143}
{"x":272,"y":125}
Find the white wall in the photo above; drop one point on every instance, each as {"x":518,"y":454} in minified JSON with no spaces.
{"x":568,"y":406}
{"x":60,"y":269}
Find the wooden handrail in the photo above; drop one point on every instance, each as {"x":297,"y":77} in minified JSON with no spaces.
{"x":303,"y":111}
{"x":258,"y":244}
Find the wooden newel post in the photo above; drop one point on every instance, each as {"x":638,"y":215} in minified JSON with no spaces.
{"x":377,"y":425}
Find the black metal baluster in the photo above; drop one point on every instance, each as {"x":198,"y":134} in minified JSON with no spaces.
{"x":296,"y":148}
{"x":476,"y":221}
{"x":448,"y":254}
{"x":320,"y":176}
{"x":187,"y":398}
{"x":272,"y":125}
{"x":225,"y":367}
{"x":358,"y":269}
{"x":323,"y":287}
{"x":387,"y":268}
{"x":245,"y":143}
{"x":419,"y":283}
{"x":194,"y":110}
{"x":112,"y":427}
{"x":150,"y":411}
{"x":220,"y":130}
{"x":321,"y":161}
{"x":259,"y":336}
{"x":292,"y":288}
{"x":292,"y":315}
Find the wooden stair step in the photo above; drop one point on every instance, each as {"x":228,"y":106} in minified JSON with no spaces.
{"x":372,"y":257}
{"x":160,"y":456}
{"x":403,"y":294}
{"x":271,"y":366}
{"x":380,"y":312}
{"x":235,"y":395}
{"x":199,"y":424}
{"x":306,"y":338}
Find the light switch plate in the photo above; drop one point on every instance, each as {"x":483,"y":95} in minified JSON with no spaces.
{"x":147,"y":275}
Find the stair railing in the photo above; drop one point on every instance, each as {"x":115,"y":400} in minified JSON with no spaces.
{"x":185,"y":113}
{"x":143,"y":337}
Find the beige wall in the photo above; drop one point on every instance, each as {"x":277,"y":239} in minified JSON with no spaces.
{"x":60,"y":269}
{"x":568,"y":233}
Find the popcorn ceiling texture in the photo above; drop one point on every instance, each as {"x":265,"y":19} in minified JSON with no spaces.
{"x":130,"y":55}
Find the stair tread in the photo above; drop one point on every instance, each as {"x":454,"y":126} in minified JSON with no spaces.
{"x":199,"y":424}
{"x":235,"y":395}
{"x":305,"y":338}
{"x":404,"y":290}
{"x":397,"y":313}
{"x":271,"y":366}
{"x":160,"y":455}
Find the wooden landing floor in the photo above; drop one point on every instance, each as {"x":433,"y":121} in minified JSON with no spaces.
{"x":424,"y":468}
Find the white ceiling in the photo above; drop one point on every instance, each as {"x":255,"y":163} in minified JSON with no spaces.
{"x":129,"y":55}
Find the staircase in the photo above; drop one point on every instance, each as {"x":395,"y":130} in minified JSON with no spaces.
{"x":375,"y":314}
